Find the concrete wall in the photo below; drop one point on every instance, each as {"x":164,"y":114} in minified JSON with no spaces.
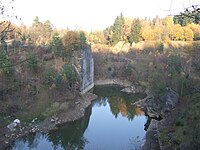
{"x":87,"y":71}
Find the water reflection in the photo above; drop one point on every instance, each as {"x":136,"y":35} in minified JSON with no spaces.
{"x":119,"y":102}
{"x":68,"y":136}
{"x":110,"y":123}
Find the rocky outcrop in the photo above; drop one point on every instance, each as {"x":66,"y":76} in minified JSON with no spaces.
{"x":155,"y":109}
{"x":159,"y":107}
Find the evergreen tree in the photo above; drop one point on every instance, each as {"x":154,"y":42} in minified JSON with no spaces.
{"x":187,"y":17}
{"x":83,"y":40}
{"x":32,"y":60}
{"x":108,"y":35}
{"x":135,"y":31}
{"x":36,"y":22}
{"x":118,"y":29}
{"x":5,"y":65}
{"x":56,"y":45}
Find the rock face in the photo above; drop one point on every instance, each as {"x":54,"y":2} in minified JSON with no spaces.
{"x":158,"y":108}
{"x":168,"y":100}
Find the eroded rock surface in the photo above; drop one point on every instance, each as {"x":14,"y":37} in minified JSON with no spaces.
{"x":158,"y":107}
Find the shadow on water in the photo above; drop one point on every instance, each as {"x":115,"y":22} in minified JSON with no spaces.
{"x":113,"y":108}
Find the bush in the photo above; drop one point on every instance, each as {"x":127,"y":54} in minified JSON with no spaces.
{"x":32,"y":60}
{"x":49,"y":76}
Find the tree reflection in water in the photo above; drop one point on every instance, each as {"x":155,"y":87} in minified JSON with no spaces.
{"x":71,"y":135}
{"x":119,"y":102}
{"x":68,"y":136}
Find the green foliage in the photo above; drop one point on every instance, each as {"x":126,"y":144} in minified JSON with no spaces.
{"x":32,"y":60}
{"x":58,"y":79}
{"x":40,"y":32}
{"x":187,"y":134}
{"x":129,"y":69}
{"x":68,"y":73}
{"x":49,"y":76}
{"x":56,"y":45}
{"x":118,"y":28}
{"x":157,"y":87}
{"x":135,"y":31}
{"x":188,"y":16}
{"x":5,"y":65}
{"x":71,"y":42}
{"x":83,"y":40}
{"x":174,"y":62}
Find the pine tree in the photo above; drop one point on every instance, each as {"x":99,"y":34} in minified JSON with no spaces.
{"x":135,"y":31}
{"x":83,"y":40}
{"x":118,"y":29}
{"x":56,"y":45}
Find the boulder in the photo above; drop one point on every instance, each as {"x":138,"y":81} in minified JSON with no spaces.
{"x":170,"y":98}
{"x":12,"y":126}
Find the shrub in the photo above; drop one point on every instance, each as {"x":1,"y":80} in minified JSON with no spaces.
{"x":5,"y":65}
{"x":49,"y":76}
{"x":32,"y":60}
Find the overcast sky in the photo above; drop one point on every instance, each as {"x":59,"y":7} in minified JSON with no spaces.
{"x":94,"y":14}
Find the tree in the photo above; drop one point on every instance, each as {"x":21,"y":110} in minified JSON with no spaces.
{"x":167,"y":25}
{"x":188,"y":34}
{"x":47,"y":31}
{"x":157,"y":32}
{"x":36,"y":22}
{"x":118,"y":28}
{"x":108,"y":35}
{"x":82,"y":38}
{"x":40,"y":33}
{"x":127,"y":28}
{"x":5,"y":65}
{"x":187,"y":17}
{"x":56,"y":45}
{"x":135,"y":31}
{"x":5,"y":29}
{"x":147,"y":33}
{"x":68,"y":74}
{"x":32,"y":60}
{"x":196,"y":30}
{"x":71,"y":42}
{"x":49,"y":76}
{"x":177,"y":33}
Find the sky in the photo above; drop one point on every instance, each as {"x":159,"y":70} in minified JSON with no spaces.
{"x":94,"y":14}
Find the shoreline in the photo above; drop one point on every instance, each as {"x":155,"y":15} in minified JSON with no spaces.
{"x":119,"y":82}
{"x":82,"y":102}
{"x":7,"y":137}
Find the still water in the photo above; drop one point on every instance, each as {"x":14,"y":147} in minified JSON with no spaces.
{"x":111,"y":123}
